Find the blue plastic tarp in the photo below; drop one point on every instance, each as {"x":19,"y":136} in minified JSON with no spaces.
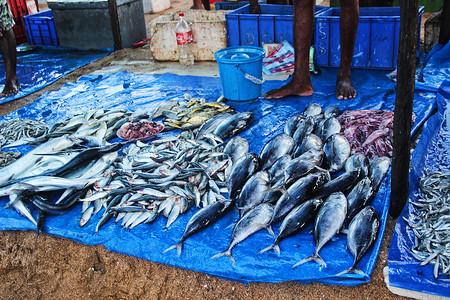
{"x":132,"y":91}
{"x":431,"y":154}
{"x":44,"y":65}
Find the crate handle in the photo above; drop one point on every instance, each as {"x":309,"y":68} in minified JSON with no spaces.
{"x":250,"y":77}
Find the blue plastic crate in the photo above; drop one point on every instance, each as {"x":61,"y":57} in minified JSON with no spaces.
{"x":376,"y":44}
{"x":229,"y":5}
{"x":41,"y":29}
{"x":273,"y":25}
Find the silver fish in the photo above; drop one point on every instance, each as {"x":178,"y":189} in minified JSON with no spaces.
{"x":278,"y":146}
{"x":327,"y":224}
{"x":253,"y":221}
{"x":362,"y":233}
{"x":253,"y":192}
{"x":337,"y":150}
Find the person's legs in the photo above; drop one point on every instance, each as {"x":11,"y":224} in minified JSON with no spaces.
{"x":8,"y":50}
{"x":348,"y":28}
{"x":300,"y":85}
{"x":198,"y":4}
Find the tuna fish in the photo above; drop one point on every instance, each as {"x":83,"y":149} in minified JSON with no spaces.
{"x":377,"y":171}
{"x":253,"y":192}
{"x":362,"y":233}
{"x":304,"y":128}
{"x":357,"y":198}
{"x":244,"y":167}
{"x":276,"y":172}
{"x":296,"y":169}
{"x":300,"y":217}
{"x":278,"y":146}
{"x":330,"y":126}
{"x":297,"y":193}
{"x":337,"y":150}
{"x":310,"y":142}
{"x":332,"y":111}
{"x":200,"y":220}
{"x":358,"y":161}
{"x":291,"y":124}
{"x":236,"y":147}
{"x":312,"y":110}
{"x":341,"y":183}
{"x":233,"y":125}
{"x":327,"y":224}
{"x":314,"y":156}
{"x":251,"y":222}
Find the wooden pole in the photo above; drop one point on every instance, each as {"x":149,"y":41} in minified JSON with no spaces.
{"x":406,"y":66}
{"x":444,"y":33}
{"x":115,"y":26}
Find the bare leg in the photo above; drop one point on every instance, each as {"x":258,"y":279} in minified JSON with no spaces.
{"x":197,"y":4}
{"x":300,"y":85}
{"x":348,"y":27}
{"x":8,"y":50}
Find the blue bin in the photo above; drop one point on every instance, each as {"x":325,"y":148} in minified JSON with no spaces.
{"x":376,"y":44}
{"x":240,"y":70}
{"x":40,"y":29}
{"x":274,"y":25}
{"x":229,"y":5}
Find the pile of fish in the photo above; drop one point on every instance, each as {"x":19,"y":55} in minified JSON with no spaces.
{"x":431,"y":224}
{"x":16,"y":129}
{"x":369,"y":131}
{"x":96,"y":126}
{"x":305,"y":175}
{"x":7,"y":157}
{"x":190,"y":113}
{"x":164,"y":177}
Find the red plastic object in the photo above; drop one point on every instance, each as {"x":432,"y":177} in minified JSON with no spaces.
{"x":19,"y":9}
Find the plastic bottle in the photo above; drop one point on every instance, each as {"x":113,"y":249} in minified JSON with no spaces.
{"x":184,"y":41}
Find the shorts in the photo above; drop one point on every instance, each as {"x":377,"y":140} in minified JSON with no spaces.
{"x":6,"y":17}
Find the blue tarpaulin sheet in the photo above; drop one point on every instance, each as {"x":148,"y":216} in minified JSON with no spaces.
{"x":44,"y":65}
{"x":431,"y":154}
{"x":132,"y":91}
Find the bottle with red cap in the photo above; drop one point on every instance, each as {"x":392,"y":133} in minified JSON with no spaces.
{"x":184,"y":41}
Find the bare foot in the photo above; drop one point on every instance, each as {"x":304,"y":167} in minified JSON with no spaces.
{"x":196,"y":7}
{"x":344,"y":89}
{"x":11,"y":88}
{"x":290,"y":89}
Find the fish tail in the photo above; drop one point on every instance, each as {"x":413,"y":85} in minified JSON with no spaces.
{"x":352,"y":269}
{"x":179,"y":247}
{"x":315,"y":257}
{"x":226,"y":253}
{"x":274,"y":247}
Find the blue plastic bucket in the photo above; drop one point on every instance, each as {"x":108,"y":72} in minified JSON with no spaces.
{"x":240,"y":71}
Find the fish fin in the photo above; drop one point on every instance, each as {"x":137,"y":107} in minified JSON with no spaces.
{"x":315,"y":257}
{"x":352,"y":269}
{"x":274,"y":247}
{"x":267,"y":249}
{"x":179,"y":247}
{"x":269,"y":229}
{"x":231,"y":225}
{"x":226,"y":253}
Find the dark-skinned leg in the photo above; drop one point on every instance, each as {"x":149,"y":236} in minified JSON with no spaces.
{"x":197,"y":4}
{"x":8,"y":50}
{"x":348,"y":28}
{"x":300,"y":85}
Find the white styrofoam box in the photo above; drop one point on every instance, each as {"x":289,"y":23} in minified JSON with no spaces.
{"x":152,"y":6}
{"x":208,"y":31}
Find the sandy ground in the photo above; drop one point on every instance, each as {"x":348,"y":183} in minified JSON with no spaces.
{"x":57,"y":268}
